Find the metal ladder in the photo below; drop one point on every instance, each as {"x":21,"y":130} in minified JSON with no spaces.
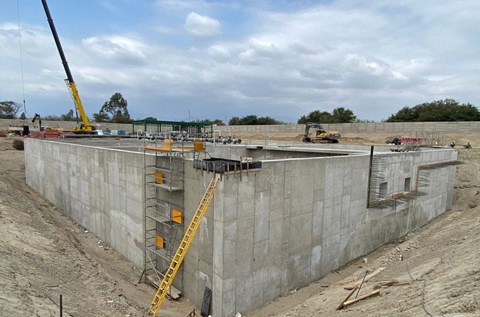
{"x":183,"y":247}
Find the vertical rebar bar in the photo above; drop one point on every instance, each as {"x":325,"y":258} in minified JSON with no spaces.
{"x":370,"y":176}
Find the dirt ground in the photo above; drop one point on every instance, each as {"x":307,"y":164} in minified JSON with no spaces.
{"x":44,"y":254}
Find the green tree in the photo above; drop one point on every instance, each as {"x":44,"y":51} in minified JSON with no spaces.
{"x":51,"y":117}
{"x":117,"y":109}
{"x":316,"y":116}
{"x":208,"y":121}
{"x":22,"y":116}
{"x":252,"y":120}
{"x":121,"y":117}
{"x":342,"y":115}
{"x":101,"y":117}
{"x":249,"y":120}
{"x":234,"y":121}
{"x":69,"y":116}
{"x":9,"y":109}
{"x":438,"y":110}
{"x":266,"y":121}
{"x":403,"y":115}
{"x":338,"y":115}
{"x":218,"y":122}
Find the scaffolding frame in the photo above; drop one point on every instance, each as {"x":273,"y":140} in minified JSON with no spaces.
{"x":163,"y":202}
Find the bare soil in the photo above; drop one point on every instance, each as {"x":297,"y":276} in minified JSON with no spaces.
{"x":44,"y":254}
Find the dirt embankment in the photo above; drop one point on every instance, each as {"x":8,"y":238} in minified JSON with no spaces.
{"x":44,"y":254}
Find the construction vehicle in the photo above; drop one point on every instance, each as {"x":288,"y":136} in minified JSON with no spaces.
{"x":85,"y":126}
{"x":35,"y":117}
{"x":321,"y":135}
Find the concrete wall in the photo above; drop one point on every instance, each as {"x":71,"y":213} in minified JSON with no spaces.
{"x":102,"y":189}
{"x":384,"y":127}
{"x":295,"y":220}
{"x":267,"y":232}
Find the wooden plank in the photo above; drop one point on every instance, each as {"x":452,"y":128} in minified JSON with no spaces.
{"x":343,"y":302}
{"x":350,"y":302}
{"x":392,"y":282}
{"x":368,"y":277}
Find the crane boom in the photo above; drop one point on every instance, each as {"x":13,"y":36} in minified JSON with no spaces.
{"x":85,"y":126}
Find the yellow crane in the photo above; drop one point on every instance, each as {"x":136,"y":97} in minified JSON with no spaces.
{"x":85,"y":126}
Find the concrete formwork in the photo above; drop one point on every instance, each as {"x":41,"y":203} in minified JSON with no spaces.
{"x":281,"y":227}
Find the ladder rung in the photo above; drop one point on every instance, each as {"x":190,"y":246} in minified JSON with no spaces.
{"x":183,"y":247}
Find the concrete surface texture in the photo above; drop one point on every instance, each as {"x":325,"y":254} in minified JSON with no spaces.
{"x":407,"y":128}
{"x":267,"y":232}
{"x":295,"y":220}
{"x":100,"y":188}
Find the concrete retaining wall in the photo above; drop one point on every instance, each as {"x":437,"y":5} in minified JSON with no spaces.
{"x":102,"y":189}
{"x":382,"y":127}
{"x":295,"y":220}
{"x":267,"y":232}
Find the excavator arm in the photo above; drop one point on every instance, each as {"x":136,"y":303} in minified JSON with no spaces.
{"x":85,"y":126}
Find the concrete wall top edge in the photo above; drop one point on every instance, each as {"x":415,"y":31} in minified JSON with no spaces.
{"x":83,"y":145}
{"x":313,"y":158}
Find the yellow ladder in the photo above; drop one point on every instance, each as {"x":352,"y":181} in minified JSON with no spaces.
{"x":183,"y":247}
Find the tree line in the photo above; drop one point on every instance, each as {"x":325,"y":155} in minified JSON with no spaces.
{"x":113,"y":110}
{"x":116,"y":110}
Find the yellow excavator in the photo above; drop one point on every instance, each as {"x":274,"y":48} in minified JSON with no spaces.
{"x":321,"y":135}
{"x":85,"y":126}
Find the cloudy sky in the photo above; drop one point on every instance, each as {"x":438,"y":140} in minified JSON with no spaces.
{"x":179,"y":59}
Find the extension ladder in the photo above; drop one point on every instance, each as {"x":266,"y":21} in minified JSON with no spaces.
{"x":183,"y":247}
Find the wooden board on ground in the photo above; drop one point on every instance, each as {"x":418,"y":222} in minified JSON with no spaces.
{"x":368,"y":277}
{"x":374,"y":293}
{"x":392,"y":282}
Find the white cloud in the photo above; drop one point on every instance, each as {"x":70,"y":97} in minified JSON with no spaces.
{"x":260,"y":50}
{"x":219,"y":53}
{"x":202,"y":26}
{"x":120,"y":48}
{"x":373,"y":58}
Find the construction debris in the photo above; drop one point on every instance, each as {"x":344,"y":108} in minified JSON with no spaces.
{"x":392,"y":282}
{"x":350,"y":302}
{"x":342,"y":304}
{"x":367,"y":278}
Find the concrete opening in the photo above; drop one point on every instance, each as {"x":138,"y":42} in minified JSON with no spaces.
{"x":282,"y":216}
